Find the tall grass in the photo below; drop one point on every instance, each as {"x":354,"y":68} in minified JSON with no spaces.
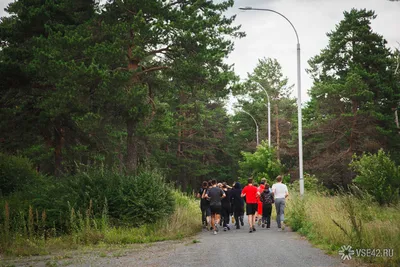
{"x":333,"y":221}
{"x":30,"y":236}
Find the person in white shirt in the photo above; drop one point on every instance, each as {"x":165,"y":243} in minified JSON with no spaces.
{"x":280,"y":192}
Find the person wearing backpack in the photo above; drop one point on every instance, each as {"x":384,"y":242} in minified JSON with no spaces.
{"x":267,"y":199}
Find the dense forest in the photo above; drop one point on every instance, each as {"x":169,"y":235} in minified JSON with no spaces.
{"x":143,"y":83}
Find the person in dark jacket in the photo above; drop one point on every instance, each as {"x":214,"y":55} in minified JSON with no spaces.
{"x":226,"y":207}
{"x":267,"y":199}
{"x":237,"y":204}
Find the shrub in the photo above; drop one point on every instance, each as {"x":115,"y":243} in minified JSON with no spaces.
{"x":16,"y":173}
{"x":378,"y":175}
{"x":130,"y":199}
{"x":311,"y":183}
{"x":261,"y":163}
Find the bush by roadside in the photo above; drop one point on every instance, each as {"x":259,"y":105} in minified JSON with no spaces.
{"x":333,"y":221}
{"x":88,"y":230}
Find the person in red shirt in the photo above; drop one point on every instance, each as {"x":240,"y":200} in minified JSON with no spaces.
{"x":259,"y":203}
{"x":251,"y":193}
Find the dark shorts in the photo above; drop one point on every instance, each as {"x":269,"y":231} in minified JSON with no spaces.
{"x":251,"y":208}
{"x":206,"y":209}
{"x":215,"y":209}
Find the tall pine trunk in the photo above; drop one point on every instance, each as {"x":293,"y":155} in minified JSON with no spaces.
{"x":58,"y":147}
{"x":131,"y":140}
{"x":131,"y":123}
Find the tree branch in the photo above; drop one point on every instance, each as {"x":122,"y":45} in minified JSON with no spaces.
{"x":153,"y":69}
{"x":159,"y":50}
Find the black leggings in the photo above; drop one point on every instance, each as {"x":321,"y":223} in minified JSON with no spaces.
{"x":266,"y":216}
{"x":225,"y":215}
{"x":238,"y":213}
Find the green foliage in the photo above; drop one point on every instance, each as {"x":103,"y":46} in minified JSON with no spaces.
{"x":260,"y":164}
{"x":130,"y":199}
{"x":353,"y":99}
{"x":28,"y":235}
{"x":297,"y":218}
{"x":378,"y":175}
{"x":311,"y":184}
{"x":16,"y":173}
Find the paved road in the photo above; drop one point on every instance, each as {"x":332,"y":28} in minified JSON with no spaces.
{"x":265,"y":247}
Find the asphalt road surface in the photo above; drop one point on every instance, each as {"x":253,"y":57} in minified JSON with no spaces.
{"x":265,"y":247}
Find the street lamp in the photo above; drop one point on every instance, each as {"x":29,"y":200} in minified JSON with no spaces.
{"x":269,"y":113}
{"x":255,"y":123}
{"x":269,"y":110}
{"x":299,"y":116}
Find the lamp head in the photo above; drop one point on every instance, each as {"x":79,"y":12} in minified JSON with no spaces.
{"x":246,"y":8}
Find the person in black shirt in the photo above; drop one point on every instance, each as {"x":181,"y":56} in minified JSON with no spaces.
{"x":204,"y":205}
{"x":226,"y":207}
{"x":237,"y":204}
{"x":215,"y":194}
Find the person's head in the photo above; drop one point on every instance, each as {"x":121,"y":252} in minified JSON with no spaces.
{"x":213,"y":182}
{"x":237,"y":185}
{"x":279,"y":178}
{"x":224,"y":186}
{"x":219,"y":185}
{"x":263,"y":181}
{"x":266,"y":187}
{"x":209,"y":183}
{"x":204,"y":184}
{"x":250,"y":180}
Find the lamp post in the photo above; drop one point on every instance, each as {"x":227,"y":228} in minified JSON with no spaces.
{"x":255,"y":124}
{"x":299,"y":115}
{"x":269,"y":113}
{"x":269,"y":110}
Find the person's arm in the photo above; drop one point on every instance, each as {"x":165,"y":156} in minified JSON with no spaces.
{"x":286,"y":192}
{"x":243,"y":194}
{"x":223,"y":194}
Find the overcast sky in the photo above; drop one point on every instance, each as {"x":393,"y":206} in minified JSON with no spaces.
{"x":269,"y":35}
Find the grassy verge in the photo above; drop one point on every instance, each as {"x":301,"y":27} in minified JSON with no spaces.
{"x":182,"y":223}
{"x":331,"y":222}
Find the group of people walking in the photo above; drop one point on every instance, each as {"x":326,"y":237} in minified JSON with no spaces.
{"x":220,"y":201}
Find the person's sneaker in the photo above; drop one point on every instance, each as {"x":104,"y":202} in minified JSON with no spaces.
{"x":225,"y":229}
{"x":254,"y":229}
{"x":241,"y":221}
{"x":215,"y":232}
{"x":268,"y":226}
{"x":251,"y":230}
{"x":216,"y":227}
{"x":263,"y":225}
{"x":228,"y":228}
